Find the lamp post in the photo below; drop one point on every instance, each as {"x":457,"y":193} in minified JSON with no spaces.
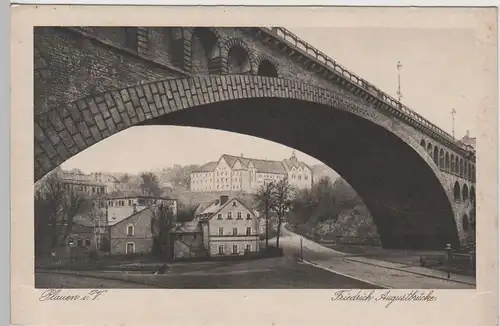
{"x":301,"y":250}
{"x":447,"y":249}
{"x":399,"y":66}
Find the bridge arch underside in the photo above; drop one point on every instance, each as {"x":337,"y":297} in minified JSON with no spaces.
{"x":406,"y":199}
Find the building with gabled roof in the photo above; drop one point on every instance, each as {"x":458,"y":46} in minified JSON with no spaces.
{"x":222,"y":227}
{"x":239,"y":173}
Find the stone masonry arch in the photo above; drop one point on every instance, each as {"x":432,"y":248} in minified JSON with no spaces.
{"x":66,"y":130}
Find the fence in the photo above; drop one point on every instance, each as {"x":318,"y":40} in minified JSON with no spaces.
{"x":315,"y":54}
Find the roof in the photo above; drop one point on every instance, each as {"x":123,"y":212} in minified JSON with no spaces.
{"x":207,"y":167}
{"x":263,"y":166}
{"x":215,"y":207}
{"x":187,"y":227}
{"x":132,"y":193}
{"x":141,"y":214}
{"x":293,"y":161}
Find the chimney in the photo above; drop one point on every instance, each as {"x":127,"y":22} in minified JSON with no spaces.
{"x":217,"y":201}
{"x":223,"y":200}
{"x":241,"y":154}
{"x":134,"y":207}
{"x":467,"y":133}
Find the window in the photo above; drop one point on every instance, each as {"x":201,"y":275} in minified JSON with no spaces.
{"x":87,"y":242}
{"x":239,"y":216}
{"x":130,"y":248}
{"x":219,"y":216}
{"x":221,"y":249}
{"x":306,"y":177}
{"x":234,"y":204}
{"x":221,"y":231}
{"x":80,"y":242}
{"x":249,"y":230}
{"x":248,"y":248}
{"x":235,"y":249}
{"x":130,"y":230}
{"x":249,"y":217}
{"x":235,"y":231}
{"x":229,"y":215}
{"x":129,"y":202}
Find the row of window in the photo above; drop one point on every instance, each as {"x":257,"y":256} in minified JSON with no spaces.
{"x":248,"y":231}
{"x":299,"y":176}
{"x":88,"y":189}
{"x":464,"y":193}
{"x":222,"y":249}
{"x":80,"y":242}
{"x":450,"y":163}
{"x":229,"y":216}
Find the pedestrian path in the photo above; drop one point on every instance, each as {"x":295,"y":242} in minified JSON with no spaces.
{"x":380,"y":272}
{"x":469,"y":280}
{"x":387,"y":277}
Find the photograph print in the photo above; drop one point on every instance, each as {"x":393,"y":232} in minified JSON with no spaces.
{"x":254,"y":157}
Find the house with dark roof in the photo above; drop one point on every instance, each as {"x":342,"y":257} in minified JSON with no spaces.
{"x":239,"y":173}
{"x":222,"y":227}
{"x":119,"y":223}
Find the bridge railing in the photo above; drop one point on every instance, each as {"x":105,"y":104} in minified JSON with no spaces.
{"x":335,"y":67}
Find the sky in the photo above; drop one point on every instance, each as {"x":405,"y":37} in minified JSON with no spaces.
{"x":438,"y":74}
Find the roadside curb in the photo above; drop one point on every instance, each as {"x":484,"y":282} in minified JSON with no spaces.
{"x":412,"y":272}
{"x":102,"y":277}
{"x":342,"y":274}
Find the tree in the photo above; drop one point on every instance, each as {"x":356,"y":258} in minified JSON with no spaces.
{"x":263,"y":198}
{"x":150,"y":186}
{"x":55,"y":207}
{"x":162,"y":222}
{"x":281,"y":202}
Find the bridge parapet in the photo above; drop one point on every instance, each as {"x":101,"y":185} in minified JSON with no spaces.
{"x":320,"y":57}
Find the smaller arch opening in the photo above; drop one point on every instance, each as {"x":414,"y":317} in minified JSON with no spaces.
{"x":472,"y":194}
{"x":456,"y":191}
{"x":429,"y":149}
{"x":447,"y":161}
{"x":436,"y":155}
{"x":452,"y":163}
{"x":422,"y":143}
{"x":267,"y":68}
{"x":465,"y":223}
{"x":461,"y":168}
{"x":441,"y":159}
{"x":465,"y":192}
{"x":238,"y":60}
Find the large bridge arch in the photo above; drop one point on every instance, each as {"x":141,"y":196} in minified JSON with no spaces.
{"x":401,"y":185}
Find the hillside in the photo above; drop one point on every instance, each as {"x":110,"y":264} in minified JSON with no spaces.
{"x":321,"y":170}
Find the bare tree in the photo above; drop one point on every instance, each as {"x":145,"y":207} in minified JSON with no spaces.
{"x":55,"y":207}
{"x":264,"y":201}
{"x":281,"y":201}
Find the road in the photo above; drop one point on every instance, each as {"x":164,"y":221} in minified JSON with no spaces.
{"x":378,"y":272}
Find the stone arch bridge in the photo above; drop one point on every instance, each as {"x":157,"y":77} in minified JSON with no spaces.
{"x":92,"y":82}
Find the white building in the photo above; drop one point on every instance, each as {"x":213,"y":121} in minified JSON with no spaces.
{"x":224,"y":227}
{"x":233,"y":173}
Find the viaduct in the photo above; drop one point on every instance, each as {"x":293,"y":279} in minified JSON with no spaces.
{"x":92,"y":82}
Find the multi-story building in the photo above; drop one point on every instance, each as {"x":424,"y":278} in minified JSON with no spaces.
{"x":126,"y":226}
{"x":89,"y":184}
{"x":233,"y":173}
{"x":223,"y":227}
